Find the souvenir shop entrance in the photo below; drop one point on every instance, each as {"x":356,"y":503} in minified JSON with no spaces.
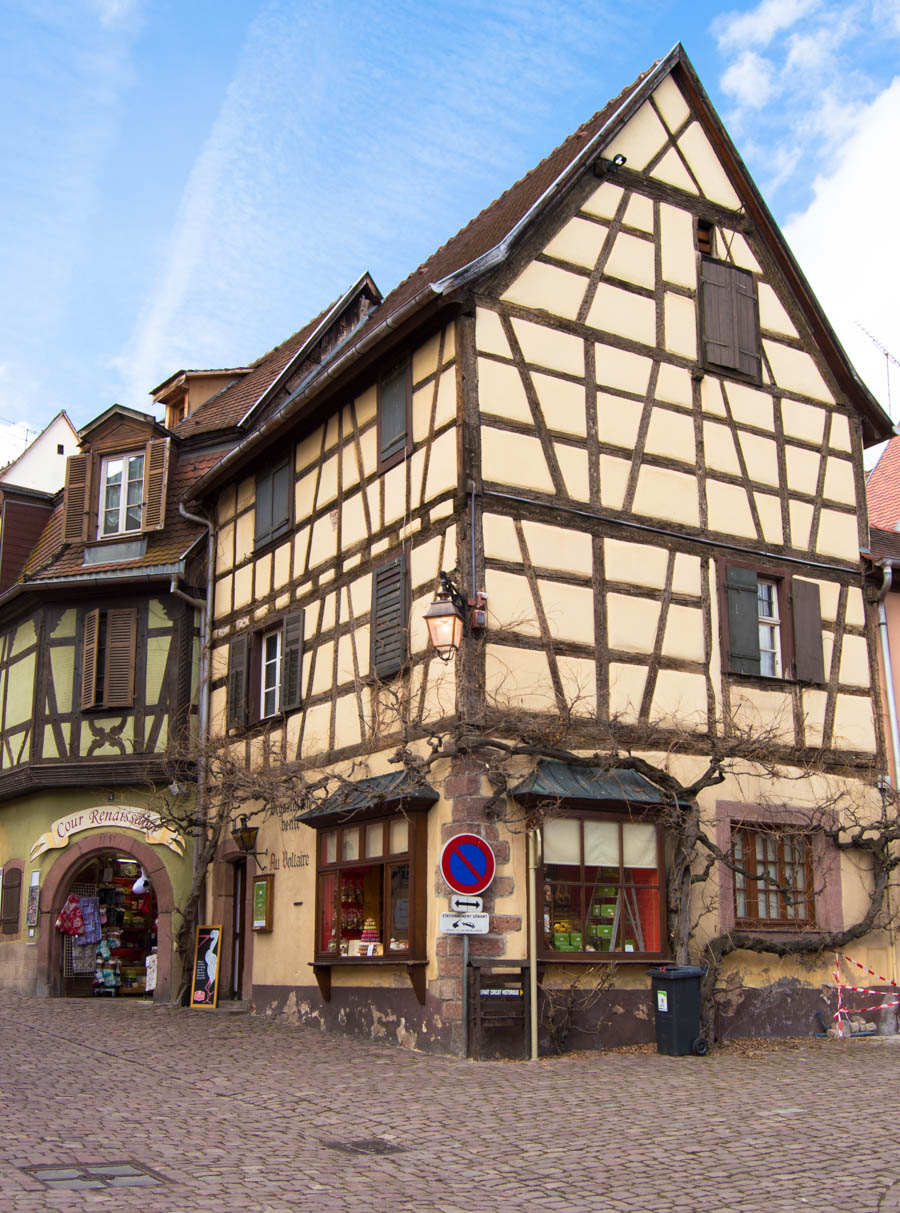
{"x":107,"y":930}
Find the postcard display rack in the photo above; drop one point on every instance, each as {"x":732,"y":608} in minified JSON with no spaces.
{"x":129,"y":932}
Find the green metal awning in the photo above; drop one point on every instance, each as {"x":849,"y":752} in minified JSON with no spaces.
{"x":373,"y":797}
{"x":556,"y":780}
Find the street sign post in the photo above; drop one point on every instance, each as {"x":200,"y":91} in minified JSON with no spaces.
{"x":465,"y":924}
{"x":466,"y":905}
{"x":468,"y":864}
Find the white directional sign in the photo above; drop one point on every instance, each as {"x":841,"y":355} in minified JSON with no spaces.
{"x":461,"y":904}
{"x":465,"y":924}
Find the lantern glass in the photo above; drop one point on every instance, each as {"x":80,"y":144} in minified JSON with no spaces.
{"x":445,"y":626}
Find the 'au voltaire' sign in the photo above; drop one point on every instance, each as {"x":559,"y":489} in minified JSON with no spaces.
{"x":108,"y":817}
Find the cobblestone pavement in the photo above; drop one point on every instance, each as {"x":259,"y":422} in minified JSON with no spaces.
{"x":235,"y":1113}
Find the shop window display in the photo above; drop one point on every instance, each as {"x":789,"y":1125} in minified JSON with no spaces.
{"x":603,"y":887}
{"x":365,"y":889}
{"x":108,"y":925}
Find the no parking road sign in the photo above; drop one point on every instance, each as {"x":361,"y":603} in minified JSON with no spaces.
{"x":467,"y":864}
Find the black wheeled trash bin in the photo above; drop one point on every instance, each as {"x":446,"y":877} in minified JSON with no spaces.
{"x":676,"y":1002}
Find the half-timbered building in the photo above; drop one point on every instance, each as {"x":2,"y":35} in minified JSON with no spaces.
{"x":612,"y":404}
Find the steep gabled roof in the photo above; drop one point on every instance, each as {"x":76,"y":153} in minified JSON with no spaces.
{"x":490,"y":236}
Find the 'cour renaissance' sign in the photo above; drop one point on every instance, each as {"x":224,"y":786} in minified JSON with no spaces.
{"x":141,"y":821}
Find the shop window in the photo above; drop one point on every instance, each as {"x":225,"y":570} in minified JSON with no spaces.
{"x":729,"y":318}
{"x":129,"y":497}
{"x":273,"y":502}
{"x":603,"y":887}
{"x":10,"y":899}
{"x":108,"y":658}
{"x":390,"y":615}
{"x":264,"y":672}
{"x":773,"y":876}
{"x":370,"y":900}
{"x":394,"y":392}
{"x":774,"y":625}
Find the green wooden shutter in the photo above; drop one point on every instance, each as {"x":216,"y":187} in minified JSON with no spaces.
{"x":281,"y":498}
{"x":743,"y":621}
{"x":238,"y":663}
{"x":392,"y":412}
{"x":292,"y":661}
{"x":91,"y":636}
{"x":263,"y":506}
{"x":809,"y":663}
{"x":389,"y":620}
{"x":121,"y":650}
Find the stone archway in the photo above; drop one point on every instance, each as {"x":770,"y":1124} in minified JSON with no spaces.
{"x":53,"y":894}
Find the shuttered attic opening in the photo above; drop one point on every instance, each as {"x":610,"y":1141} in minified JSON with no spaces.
{"x":389,"y":618}
{"x":729,"y":314}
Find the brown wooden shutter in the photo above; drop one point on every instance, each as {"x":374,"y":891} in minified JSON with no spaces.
{"x":729,"y":317}
{"x":11,"y":901}
{"x":77,"y":500}
{"x":807,"y":613}
{"x":743,"y":620}
{"x":292,"y":661}
{"x":746,"y":322}
{"x":389,"y":618}
{"x":156,"y":475}
{"x":89,"y":659}
{"x":238,"y":662}
{"x":121,"y":649}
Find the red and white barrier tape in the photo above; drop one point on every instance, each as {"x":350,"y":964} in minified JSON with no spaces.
{"x":841,"y":986}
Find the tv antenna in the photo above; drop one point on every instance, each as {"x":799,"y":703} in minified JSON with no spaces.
{"x":888,"y":359}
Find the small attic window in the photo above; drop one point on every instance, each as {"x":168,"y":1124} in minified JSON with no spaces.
{"x":706,"y":238}
{"x":60,"y":449}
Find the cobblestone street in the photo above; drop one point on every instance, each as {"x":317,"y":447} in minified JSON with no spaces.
{"x":152,"y":1110}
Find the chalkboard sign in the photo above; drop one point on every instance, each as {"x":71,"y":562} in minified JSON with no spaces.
{"x":262,"y":902}
{"x":205,"y":986}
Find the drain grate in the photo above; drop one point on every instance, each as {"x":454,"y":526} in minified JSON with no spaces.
{"x":87,"y":1176}
{"x":366,"y":1145}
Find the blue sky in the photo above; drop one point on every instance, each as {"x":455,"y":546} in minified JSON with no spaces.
{"x":186,"y":184}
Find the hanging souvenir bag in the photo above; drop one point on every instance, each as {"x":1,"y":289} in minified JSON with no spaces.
{"x":70,"y":920}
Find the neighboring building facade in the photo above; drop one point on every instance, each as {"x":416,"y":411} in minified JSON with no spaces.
{"x":98,"y":669}
{"x":612,"y":403}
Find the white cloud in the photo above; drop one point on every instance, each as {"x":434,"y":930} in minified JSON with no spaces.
{"x":844,"y":241}
{"x":760,"y":25}
{"x":750,"y":80}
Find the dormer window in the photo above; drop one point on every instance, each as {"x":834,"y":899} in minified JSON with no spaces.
{"x":111,"y":494}
{"x":121,"y":494}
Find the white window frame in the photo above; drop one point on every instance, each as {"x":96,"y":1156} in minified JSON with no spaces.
{"x":769,"y":631}
{"x":270,"y":665}
{"x":102,"y":508}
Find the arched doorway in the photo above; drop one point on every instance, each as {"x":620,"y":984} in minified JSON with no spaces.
{"x":94,"y":855}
